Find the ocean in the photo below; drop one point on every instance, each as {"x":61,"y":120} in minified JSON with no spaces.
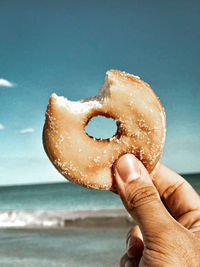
{"x":63,"y":224}
{"x":64,"y":196}
{"x":55,"y":196}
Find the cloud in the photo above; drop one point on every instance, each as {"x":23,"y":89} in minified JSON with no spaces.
{"x":27,"y":130}
{"x":1,"y":127}
{"x":5,"y":83}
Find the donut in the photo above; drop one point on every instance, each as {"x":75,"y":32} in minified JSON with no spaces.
{"x":87,"y":161}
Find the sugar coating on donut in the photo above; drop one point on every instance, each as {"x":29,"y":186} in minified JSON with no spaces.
{"x":87,"y":161}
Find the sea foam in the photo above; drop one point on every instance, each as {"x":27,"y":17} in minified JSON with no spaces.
{"x":64,"y":218}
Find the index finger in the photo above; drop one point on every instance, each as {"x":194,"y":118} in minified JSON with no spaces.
{"x":177,"y":194}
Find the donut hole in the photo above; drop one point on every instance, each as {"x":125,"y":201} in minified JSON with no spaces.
{"x":101,"y":127}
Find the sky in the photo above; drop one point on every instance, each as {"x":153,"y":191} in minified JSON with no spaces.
{"x":66,"y":46}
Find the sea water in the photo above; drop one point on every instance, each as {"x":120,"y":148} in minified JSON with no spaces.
{"x":54,"y":205}
{"x":64,"y":196}
{"x":62,"y":247}
{"x":58,"y":196}
{"x":71,"y":246}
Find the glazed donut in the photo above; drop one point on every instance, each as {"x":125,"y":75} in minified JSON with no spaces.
{"x":87,"y":161}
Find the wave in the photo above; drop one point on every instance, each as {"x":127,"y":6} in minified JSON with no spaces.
{"x":64,"y":218}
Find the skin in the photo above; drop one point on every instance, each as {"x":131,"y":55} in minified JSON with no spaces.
{"x":167,"y":212}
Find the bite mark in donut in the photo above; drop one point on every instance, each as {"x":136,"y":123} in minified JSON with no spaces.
{"x":88,"y":161}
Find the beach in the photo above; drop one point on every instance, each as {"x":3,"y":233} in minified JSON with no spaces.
{"x":66,"y":48}
{"x":63,"y":237}
{"x":62,"y":247}
{"x":63,"y":224}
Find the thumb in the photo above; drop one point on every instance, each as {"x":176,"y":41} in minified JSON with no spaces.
{"x":140,"y":196}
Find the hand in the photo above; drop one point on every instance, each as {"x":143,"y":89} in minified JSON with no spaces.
{"x":168,"y":231}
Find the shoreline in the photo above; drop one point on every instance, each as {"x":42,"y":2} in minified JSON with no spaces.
{"x":47,"y":219}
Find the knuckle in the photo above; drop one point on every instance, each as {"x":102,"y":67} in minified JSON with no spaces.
{"x":140,"y":196}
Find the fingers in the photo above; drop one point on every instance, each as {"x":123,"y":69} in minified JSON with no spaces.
{"x":134,"y":243}
{"x":178,"y":195}
{"x":127,"y":262}
{"x":140,"y":196}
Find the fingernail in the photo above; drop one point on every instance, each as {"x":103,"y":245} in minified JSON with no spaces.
{"x":128,"y":168}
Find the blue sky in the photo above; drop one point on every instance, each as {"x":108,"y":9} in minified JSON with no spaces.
{"x":67,"y":46}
